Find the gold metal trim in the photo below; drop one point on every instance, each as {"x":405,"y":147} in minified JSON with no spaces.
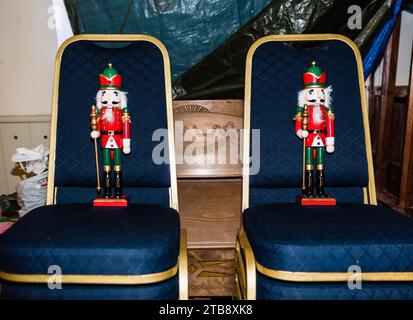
{"x":168,"y":95}
{"x":183,"y":267}
{"x":320,"y":167}
{"x":92,"y":279}
{"x":117,"y":168}
{"x":331,"y":115}
{"x":298,"y":117}
{"x":371,"y":197}
{"x":245,"y":268}
{"x":107,"y":169}
{"x":126,"y":117}
{"x":309,"y":167}
{"x":369,"y":192}
{"x":332,"y":276}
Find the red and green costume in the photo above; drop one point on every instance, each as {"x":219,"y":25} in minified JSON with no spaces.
{"x":320,"y":131}
{"x":115,"y":134}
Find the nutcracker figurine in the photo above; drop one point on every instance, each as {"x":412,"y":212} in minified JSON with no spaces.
{"x":110,"y":121}
{"x":314,"y":124}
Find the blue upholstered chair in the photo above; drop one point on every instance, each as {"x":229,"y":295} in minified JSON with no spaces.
{"x":138,"y":252}
{"x":288,"y":251}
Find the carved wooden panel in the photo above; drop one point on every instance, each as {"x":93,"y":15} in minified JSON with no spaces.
{"x":209,"y":190}
{"x":211,"y":272}
{"x":211,"y":157}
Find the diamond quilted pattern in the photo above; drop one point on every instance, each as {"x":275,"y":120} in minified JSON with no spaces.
{"x":276,"y":78}
{"x":270,"y":289}
{"x":330,"y":239}
{"x":141,"y":65}
{"x":140,"y":239}
{"x":288,"y":195}
{"x":166,"y":290}
{"x":136,"y":195}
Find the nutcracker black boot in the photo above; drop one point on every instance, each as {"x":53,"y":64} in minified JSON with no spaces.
{"x":320,"y":184}
{"x":107,"y":191}
{"x":309,"y":184}
{"x":118,"y":184}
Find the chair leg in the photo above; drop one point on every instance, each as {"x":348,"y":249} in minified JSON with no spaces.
{"x":183,"y":267}
{"x":245,"y":272}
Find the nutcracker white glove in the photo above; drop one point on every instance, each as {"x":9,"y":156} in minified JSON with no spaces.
{"x":302,"y":134}
{"x":95,"y":134}
{"x":126,"y":146}
{"x":330,"y":144}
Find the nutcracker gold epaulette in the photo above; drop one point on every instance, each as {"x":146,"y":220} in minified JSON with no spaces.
{"x":298,"y":117}
{"x":330,"y":114}
{"x":126,"y":117}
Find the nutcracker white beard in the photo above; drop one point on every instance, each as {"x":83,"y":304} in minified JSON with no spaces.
{"x":315,"y":97}
{"x":109,"y":115}
{"x":317,"y":114}
{"x":111,"y":99}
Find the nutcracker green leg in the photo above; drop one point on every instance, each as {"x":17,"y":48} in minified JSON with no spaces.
{"x":320,"y":172}
{"x":309,"y":168}
{"x":106,"y":173}
{"x":118,"y":173}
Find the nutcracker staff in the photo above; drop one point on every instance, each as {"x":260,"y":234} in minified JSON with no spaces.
{"x":111,"y":122}
{"x":314,"y":123}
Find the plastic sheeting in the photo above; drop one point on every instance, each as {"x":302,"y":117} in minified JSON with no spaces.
{"x":208,"y":40}
{"x":190,"y":29}
{"x":379,"y":44}
{"x":221,"y":75}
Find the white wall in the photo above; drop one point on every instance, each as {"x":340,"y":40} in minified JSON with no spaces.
{"x":28,"y":47}
{"x":30,"y":33}
{"x":405,"y":49}
{"x":404,"y":56}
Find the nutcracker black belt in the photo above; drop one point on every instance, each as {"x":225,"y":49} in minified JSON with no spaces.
{"x":316,"y":131}
{"x":112,"y":133}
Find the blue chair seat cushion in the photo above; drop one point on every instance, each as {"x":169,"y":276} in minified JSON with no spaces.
{"x":290,"y":237}
{"x":85,"y":240}
{"x":271,"y":289}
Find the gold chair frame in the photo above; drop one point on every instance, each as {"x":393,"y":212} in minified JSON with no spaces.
{"x":246,"y":265}
{"x":182,"y":265}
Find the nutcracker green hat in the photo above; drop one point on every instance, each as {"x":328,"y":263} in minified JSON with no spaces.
{"x":314,"y":77}
{"x":110,"y":78}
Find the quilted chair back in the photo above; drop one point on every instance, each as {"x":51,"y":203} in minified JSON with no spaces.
{"x":144,"y":65}
{"x":274,"y":77}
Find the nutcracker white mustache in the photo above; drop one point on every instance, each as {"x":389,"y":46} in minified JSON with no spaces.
{"x":316,"y":97}
{"x":110,"y":99}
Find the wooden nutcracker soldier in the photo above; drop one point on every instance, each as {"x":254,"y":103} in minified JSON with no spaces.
{"x":110,"y":121}
{"x":314,"y":124}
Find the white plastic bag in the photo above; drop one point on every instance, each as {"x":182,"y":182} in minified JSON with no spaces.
{"x":32,"y":160}
{"x":31,"y":192}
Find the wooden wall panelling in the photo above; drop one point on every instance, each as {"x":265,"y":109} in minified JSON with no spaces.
{"x":210,"y":194}
{"x":211,"y":212}
{"x":203,"y":115}
{"x":386,"y":108}
{"x":397,"y":125}
{"x":211,"y":272}
{"x":406,"y":183}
